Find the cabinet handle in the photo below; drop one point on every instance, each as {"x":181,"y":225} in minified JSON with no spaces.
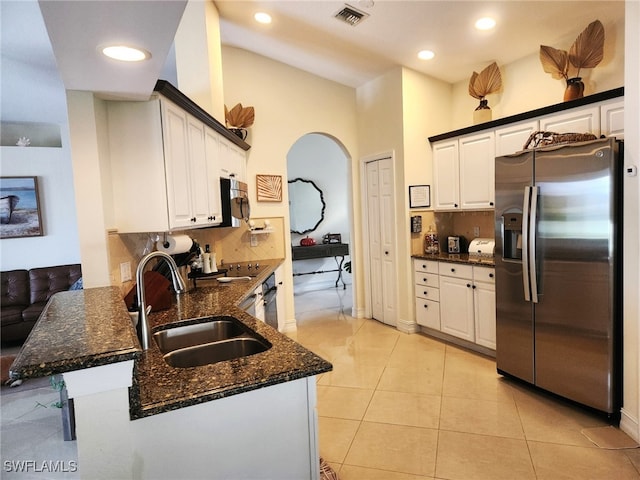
{"x":453,"y":270}
{"x":424,"y":266}
{"x":424,"y":280}
{"x":491,"y":275}
{"x":426,"y":306}
{"x":425,"y":293}
{"x":468,"y":285}
{"x":455,"y":205}
{"x":491,"y":204}
{"x":193,"y":219}
{"x":473,"y":286}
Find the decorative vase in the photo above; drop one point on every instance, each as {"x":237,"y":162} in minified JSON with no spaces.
{"x":241,"y":132}
{"x":575,"y":89}
{"x":482,"y":113}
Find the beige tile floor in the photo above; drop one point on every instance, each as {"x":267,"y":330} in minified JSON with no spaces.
{"x":400,"y":407}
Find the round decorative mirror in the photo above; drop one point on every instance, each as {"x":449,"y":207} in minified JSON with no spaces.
{"x":306,"y":206}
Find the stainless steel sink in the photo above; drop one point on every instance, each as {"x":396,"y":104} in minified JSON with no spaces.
{"x":212,"y":329}
{"x":215,"y":352}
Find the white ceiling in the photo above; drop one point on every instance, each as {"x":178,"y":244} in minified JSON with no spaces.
{"x":304,"y":34}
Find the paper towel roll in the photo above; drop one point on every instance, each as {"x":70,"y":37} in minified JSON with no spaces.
{"x":174,"y":244}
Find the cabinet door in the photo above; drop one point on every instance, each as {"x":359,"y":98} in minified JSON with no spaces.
{"x":484,"y":303}
{"x":232,"y":160}
{"x":176,"y":148}
{"x":198,"y":172}
{"x":456,"y":307}
{"x":580,"y":120}
{"x":446,"y":176}
{"x":428,"y":313}
{"x":612,"y":119}
{"x":513,"y":138}
{"x":477,"y":166}
{"x":212,"y":153}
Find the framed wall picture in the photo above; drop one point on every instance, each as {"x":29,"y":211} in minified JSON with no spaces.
{"x":19,"y":207}
{"x":419,"y":196}
{"x":269,"y":188}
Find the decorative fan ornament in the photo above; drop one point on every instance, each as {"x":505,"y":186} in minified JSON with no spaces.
{"x":586,"y":52}
{"x":482,"y":84}
{"x":239,"y":118}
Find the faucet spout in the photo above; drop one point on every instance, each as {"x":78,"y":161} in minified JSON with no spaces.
{"x":178,"y":286}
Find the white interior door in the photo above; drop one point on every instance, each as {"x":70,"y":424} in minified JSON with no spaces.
{"x":382,"y":249}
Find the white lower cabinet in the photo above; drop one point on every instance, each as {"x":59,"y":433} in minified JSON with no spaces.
{"x":427,"y":293}
{"x":456,"y":299}
{"x":484,"y":304}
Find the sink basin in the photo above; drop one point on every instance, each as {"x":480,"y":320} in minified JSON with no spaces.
{"x":208,"y":331}
{"x":220,"y":351}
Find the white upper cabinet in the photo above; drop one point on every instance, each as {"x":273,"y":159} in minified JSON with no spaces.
{"x":612,"y":119}
{"x":162,"y":166}
{"x":477,"y":166}
{"x":232,"y":161}
{"x":212,"y":154}
{"x":446,"y":175}
{"x":463,"y":171}
{"x":513,"y":138}
{"x":577,"y":120}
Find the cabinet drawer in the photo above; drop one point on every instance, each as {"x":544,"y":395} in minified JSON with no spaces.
{"x":428,"y":313}
{"x":456,"y":270}
{"x":427,"y":266}
{"x":484,"y":274}
{"x":428,"y":279}
{"x":428,"y":293}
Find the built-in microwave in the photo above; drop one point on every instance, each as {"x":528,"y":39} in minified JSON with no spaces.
{"x":234,"y":197}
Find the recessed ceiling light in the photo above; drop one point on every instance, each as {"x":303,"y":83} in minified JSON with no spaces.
{"x":262,"y":17}
{"x":485,"y":23}
{"x":426,"y":55}
{"x":125,"y":53}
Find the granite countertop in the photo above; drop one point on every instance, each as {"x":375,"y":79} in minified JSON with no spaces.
{"x":457,"y":258}
{"x":158,"y":387}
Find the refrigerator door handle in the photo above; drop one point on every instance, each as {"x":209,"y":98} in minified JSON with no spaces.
{"x":525,"y":243}
{"x":532,"y":244}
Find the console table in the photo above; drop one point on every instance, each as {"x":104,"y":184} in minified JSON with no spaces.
{"x":325,"y":250}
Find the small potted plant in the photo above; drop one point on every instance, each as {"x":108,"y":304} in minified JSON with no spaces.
{"x":586,"y":52}
{"x":238,"y":119}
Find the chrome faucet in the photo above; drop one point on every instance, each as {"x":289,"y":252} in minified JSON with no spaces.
{"x":178,"y":286}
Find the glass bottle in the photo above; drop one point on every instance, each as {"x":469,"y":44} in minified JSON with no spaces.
{"x":431,"y":243}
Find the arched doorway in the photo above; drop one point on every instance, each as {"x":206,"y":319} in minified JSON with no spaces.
{"x":322,"y":167}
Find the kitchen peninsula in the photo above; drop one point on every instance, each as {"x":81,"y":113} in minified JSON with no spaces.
{"x":137,"y":417}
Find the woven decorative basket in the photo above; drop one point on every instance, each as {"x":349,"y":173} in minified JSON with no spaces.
{"x":542,"y":139}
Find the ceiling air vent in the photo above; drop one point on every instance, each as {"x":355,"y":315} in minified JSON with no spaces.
{"x":351,"y":16}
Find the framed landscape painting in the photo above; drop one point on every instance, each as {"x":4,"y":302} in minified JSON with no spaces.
{"x":19,"y":207}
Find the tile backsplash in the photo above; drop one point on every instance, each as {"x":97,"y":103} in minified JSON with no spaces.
{"x":453,"y":223}
{"x":229,"y":244}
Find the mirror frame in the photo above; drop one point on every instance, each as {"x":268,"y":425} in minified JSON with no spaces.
{"x":324,"y":205}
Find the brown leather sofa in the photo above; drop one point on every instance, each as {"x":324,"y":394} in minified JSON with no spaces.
{"x":24,"y":293}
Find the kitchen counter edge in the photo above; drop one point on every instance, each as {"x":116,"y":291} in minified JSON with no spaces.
{"x":456,"y":258}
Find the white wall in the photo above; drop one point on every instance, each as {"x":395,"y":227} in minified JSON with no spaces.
{"x":33,"y":92}
{"x":289,"y":103}
{"x":630,"y":421}
{"x":59,"y":245}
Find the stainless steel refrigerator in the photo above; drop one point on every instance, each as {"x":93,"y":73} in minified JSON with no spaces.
{"x":558,"y":268}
